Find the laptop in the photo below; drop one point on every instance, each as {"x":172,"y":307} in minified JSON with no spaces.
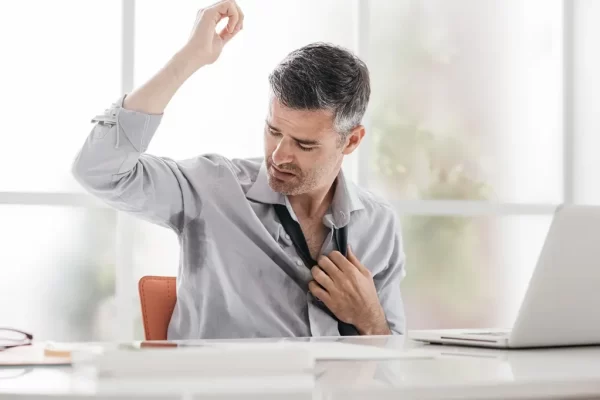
{"x":562,"y":304}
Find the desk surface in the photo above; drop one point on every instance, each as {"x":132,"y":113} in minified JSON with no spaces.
{"x":451,"y":372}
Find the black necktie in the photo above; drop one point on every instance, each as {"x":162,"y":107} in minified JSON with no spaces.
{"x":341,"y":241}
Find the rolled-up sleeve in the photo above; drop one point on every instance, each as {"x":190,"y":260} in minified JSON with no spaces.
{"x":112,"y":166}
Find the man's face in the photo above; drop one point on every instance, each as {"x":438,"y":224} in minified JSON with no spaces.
{"x":302,"y":149}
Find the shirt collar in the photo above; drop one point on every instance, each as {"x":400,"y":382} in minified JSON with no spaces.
{"x":260,"y":190}
{"x":345,"y":200}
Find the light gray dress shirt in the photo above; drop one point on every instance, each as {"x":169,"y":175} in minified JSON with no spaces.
{"x":239,"y":273}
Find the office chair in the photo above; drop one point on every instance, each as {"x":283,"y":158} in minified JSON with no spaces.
{"x":158,"y":295}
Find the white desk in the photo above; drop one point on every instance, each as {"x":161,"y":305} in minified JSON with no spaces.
{"x":451,"y":372}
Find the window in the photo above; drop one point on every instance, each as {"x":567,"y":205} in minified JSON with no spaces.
{"x":467,"y":105}
{"x":467,"y":100}
{"x":58,"y":271}
{"x":584,"y":67}
{"x":469,"y":271}
{"x":64,"y":65}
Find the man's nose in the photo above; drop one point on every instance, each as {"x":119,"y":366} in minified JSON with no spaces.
{"x":282,"y":153}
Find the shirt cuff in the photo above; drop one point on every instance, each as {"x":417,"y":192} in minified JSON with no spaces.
{"x":137,"y":127}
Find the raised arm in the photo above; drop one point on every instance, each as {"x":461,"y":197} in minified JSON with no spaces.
{"x":112,"y":165}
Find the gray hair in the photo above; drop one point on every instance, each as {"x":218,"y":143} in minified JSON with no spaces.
{"x":322,"y":76}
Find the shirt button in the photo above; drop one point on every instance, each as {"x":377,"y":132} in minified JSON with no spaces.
{"x":299,"y":262}
{"x":342,"y":214}
{"x":287,"y":236}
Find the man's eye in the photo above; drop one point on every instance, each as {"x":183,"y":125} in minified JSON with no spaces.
{"x":274,"y":133}
{"x":304,"y":148}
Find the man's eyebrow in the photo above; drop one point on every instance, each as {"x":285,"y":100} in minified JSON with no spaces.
{"x":271,"y":127}
{"x":306,"y":142}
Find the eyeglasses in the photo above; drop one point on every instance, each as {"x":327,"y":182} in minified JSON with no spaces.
{"x":14,"y":338}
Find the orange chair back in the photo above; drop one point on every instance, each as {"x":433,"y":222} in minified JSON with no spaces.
{"x":158,"y":295}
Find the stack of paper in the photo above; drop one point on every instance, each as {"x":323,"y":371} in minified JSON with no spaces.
{"x":199,"y":361}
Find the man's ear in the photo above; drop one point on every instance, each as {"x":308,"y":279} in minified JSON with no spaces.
{"x":353,"y":140}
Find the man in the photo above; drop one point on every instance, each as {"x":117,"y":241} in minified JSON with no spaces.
{"x":242,"y":272}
